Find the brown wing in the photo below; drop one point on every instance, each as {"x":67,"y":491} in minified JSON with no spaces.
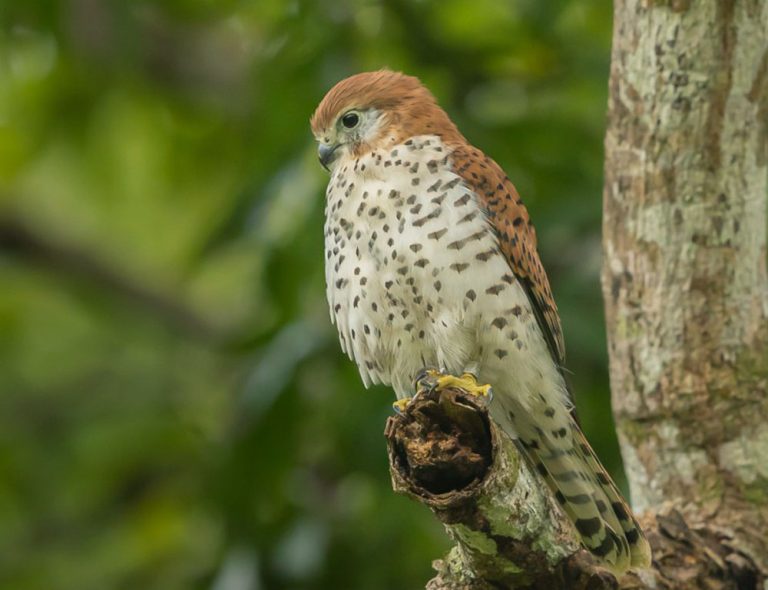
{"x":517,"y":237}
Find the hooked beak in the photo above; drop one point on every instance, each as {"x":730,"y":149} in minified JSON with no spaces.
{"x":327,"y":154}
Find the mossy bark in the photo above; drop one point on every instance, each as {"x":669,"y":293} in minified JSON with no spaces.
{"x":445,"y":452}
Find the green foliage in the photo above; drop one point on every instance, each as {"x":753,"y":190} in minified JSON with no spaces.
{"x":175,"y":411}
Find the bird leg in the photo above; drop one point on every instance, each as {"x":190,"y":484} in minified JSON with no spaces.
{"x":432,"y":379}
{"x":424,"y":381}
{"x":437,"y":380}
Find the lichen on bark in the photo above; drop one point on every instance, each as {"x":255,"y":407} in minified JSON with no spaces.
{"x":684,"y":274}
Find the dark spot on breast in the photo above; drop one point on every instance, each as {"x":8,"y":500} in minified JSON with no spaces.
{"x":499,"y":323}
{"x":432,"y":215}
{"x":449,"y":185}
{"x":439,"y":199}
{"x":433,"y":187}
{"x":436,"y":235}
{"x":462,"y":200}
{"x":485,"y":256}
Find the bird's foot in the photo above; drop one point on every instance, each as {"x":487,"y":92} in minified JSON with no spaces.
{"x":400,"y":405}
{"x":433,"y":380}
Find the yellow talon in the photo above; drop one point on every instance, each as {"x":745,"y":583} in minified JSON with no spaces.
{"x":400,"y":405}
{"x":467,"y":382}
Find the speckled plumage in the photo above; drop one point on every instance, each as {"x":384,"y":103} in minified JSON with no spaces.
{"x":431,"y":261}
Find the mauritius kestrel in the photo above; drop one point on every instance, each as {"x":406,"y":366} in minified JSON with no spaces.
{"x":431,"y":261}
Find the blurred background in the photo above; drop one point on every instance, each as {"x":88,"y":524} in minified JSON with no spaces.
{"x":175,"y":411}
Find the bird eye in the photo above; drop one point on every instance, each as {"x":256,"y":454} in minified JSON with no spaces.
{"x":350,"y":120}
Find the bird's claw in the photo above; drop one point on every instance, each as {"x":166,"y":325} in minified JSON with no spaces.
{"x":400,"y":405}
{"x":426,"y":380}
{"x":434,"y":380}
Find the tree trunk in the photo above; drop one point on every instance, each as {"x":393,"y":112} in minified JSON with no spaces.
{"x":684,"y":280}
{"x":684,"y":275}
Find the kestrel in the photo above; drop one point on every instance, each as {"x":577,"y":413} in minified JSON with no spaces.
{"x":431,"y":261}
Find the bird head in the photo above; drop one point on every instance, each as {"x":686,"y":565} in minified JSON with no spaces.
{"x":374,"y":110}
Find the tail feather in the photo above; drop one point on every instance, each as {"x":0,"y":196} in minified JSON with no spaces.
{"x":640,"y":550}
{"x":587,"y":495}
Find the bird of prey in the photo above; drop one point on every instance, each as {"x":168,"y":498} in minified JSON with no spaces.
{"x":431,"y":261}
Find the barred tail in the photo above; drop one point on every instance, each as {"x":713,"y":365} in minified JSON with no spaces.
{"x":640,"y":550}
{"x":562,"y":456}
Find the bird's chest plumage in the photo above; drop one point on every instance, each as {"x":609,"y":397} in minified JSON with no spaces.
{"x":414,"y":275}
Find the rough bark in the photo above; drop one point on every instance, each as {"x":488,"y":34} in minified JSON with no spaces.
{"x":684,"y":274}
{"x":684,"y":280}
{"x":445,"y":452}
